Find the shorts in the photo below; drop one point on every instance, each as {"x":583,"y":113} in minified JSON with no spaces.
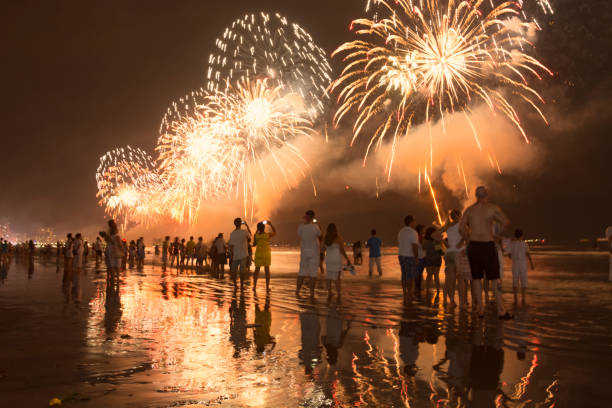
{"x":408,"y":265}
{"x":519,"y":274}
{"x":220,"y":259}
{"x":309,"y":264}
{"x":238,"y":263}
{"x":484,"y":261}
{"x":114,"y":262}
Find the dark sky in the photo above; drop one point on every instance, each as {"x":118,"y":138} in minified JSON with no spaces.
{"x":80,"y":78}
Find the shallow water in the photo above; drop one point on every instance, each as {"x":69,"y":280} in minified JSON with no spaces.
{"x":177,"y":338}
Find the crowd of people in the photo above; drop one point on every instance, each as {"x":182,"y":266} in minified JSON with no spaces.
{"x":470,"y":243}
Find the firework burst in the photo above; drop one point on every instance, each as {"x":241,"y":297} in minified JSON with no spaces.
{"x":268,"y":46}
{"x":214,"y":152}
{"x":427,"y":59}
{"x":129,"y":185}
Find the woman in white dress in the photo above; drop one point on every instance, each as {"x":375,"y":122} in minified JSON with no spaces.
{"x":334,"y":252}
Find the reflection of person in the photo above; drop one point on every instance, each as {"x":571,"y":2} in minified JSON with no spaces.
{"x":408,"y":346}
{"x":374,"y":244}
{"x":263,"y":322}
{"x":310,"y":242}
{"x":238,"y":329}
{"x":112,"y":305}
{"x":333,"y":340}
{"x":263,"y":252}
{"x":311,"y":331}
{"x":477,"y":228}
{"x":486,"y":366}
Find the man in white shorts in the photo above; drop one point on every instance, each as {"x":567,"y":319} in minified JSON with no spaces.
{"x":310,"y":242}
{"x":519,"y":253}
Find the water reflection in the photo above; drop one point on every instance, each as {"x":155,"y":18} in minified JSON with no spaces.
{"x":186,"y":336}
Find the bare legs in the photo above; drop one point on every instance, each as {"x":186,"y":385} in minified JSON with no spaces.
{"x":329,"y":288}
{"x":311,"y":285}
{"x":449,"y":284}
{"x":432,"y":272}
{"x":256,"y":276}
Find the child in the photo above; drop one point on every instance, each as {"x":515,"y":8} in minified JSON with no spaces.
{"x":519,"y":253}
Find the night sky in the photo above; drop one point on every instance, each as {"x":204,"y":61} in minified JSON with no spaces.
{"x":80,"y":78}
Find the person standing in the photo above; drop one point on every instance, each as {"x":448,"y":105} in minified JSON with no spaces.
{"x":97,"y":247}
{"x":165,"y":248}
{"x":174,"y":250}
{"x":609,"y":238}
{"x":263,"y":253}
{"x":200,"y":252}
{"x":78,"y":251}
{"x":182,"y":251}
{"x":418,"y":281}
{"x":140,"y":253}
{"x":454,"y":243}
{"x":334,"y":252}
{"x":239,"y":251}
{"x":477,"y":229}
{"x":310,"y":243}
{"x":433,"y":258}
{"x":219,"y":255}
{"x":374,"y":243}
{"x":190,"y":250}
{"x":408,"y":252}
{"x":357,"y":254}
{"x":518,"y":250}
{"x":116,"y":249}
{"x":68,"y":252}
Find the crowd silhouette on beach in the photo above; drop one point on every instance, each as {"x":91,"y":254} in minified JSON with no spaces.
{"x":470,"y":243}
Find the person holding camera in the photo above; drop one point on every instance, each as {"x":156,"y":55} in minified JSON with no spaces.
{"x":263,"y":252}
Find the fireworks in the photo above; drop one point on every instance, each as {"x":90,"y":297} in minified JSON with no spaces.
{"x":128,"y":184}
{"x":265,"y":45}
{"x":246,"y":128}
{"x":421,"y":63}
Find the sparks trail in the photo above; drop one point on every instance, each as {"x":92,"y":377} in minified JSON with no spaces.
{"x":419,"y":61}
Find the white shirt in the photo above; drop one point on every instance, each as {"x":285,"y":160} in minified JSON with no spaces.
{"x":454,"y":237}
{"x":518,"y":251}
{"x":78,"y":246}
{"x":201,"y":248}
{"x":309,"y":237}
{"x":239,"y":241}
{"x":406,"y":237}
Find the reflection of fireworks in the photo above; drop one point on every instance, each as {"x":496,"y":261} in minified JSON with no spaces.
{"x":268,"y":46}
{"x":213,"y":152}
{"x":128,"y":184}
{"x":431,"y":61}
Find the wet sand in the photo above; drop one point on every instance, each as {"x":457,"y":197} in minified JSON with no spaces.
{"x":179,"y":338}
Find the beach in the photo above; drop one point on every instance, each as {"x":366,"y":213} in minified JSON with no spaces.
{"x":180,"y":338}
